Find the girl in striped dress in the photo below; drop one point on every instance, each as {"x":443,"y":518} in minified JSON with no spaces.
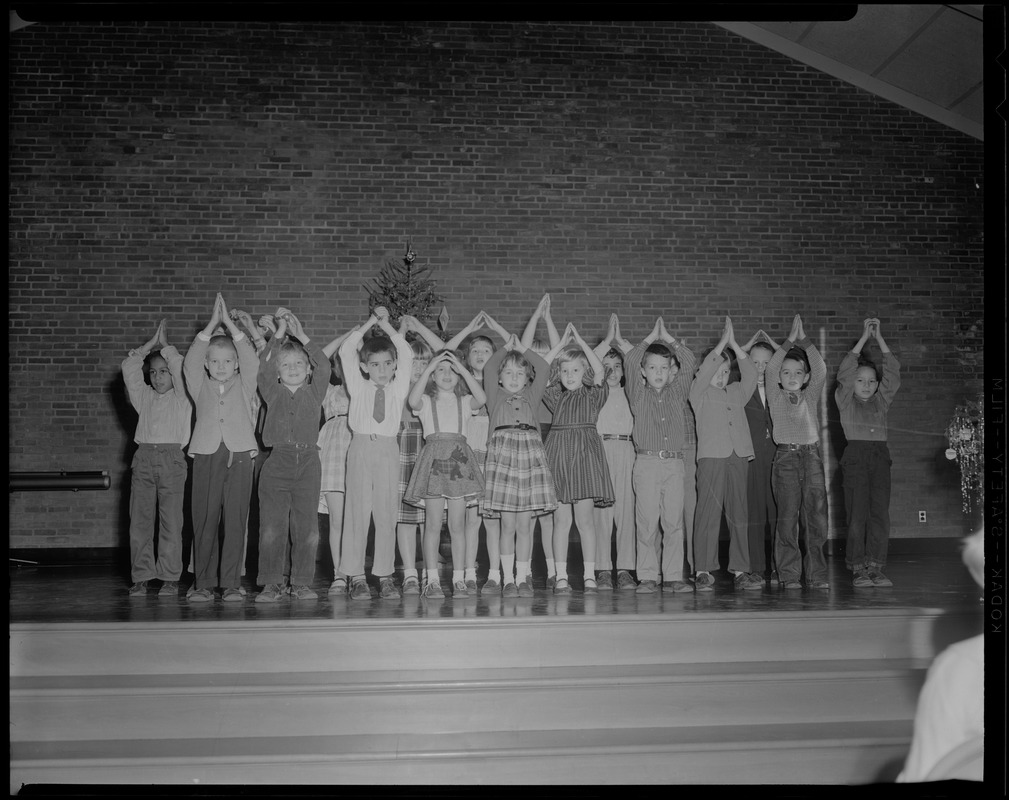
{"x":575,"y":452}
{"x":518,"y":480}
{"x":447,"y":473}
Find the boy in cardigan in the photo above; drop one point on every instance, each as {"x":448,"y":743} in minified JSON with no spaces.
{"x":723,"y":452}
{"x":797,"y":474}
{"x":865,"y":466}
{"x":658,"y":402}
{"x":221,"y":378}
{"x":158,"y":471}
{"x":376,"y":407}
{"x":293,"y":379}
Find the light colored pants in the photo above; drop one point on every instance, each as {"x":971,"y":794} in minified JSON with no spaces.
{"x":658,"y":500}
{"x":620,"y":460}
{"x":372,"y":494}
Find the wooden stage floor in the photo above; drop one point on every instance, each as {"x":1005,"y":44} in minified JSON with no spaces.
{"x":82,"y":593}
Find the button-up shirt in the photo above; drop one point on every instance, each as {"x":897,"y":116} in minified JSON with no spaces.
{"x":865,"y":420}
{"x":794,"y":415}
{"x":362,"y":390}
{"x":519,"y":408}
{"x":292,"y":417}
{"x":164,"y":418}
{"x":659,"y":422}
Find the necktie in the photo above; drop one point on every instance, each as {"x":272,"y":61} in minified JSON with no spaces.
{"x":379,"y":411}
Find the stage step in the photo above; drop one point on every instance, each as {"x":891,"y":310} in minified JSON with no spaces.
{"x":822,"y":698}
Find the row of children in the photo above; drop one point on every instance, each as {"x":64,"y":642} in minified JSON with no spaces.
{"x":500,"y":438}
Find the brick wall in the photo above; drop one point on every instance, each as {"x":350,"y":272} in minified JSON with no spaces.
{"x":650,"y":168}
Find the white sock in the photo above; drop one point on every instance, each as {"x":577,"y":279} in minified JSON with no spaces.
{"x":470,"y":574}
{"x":409,"y":573}
{"x":551,"y":567}
{"x":590,"y":570}
{"x":561,"y":570}
{"x":521,"y":571}
{"x":457,"y":575}
{"x":508,"y":566}
{"x":494,"y":570}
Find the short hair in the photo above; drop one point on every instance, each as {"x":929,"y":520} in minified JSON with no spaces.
{"x":431,"y":390}
{"x":224,"y":343}
{"x":763,"y":346}
{"x":292,"y":345}
{"x":865,"y":362}
{"x":517,"y":359}
{"x":377,"y":344}
{"x":571,"y":353}
{"x":421,"y":349}
{"x":659,"y":349}
{"x":797,"y":354}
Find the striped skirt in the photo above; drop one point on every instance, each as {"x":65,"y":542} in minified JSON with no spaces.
{"x":578,"y":463}
{"x":411,"y":440}
{"x":516,"y":473}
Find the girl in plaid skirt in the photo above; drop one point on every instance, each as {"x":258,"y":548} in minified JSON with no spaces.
{"x":518,"y":480}
{"x":447,"y":474}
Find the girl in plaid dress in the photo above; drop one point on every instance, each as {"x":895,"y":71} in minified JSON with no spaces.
{"x":447,"y":475}
{"x":518,"y":480}
{"x":334,"y":439}
{"x":411,"y":439}
{"x":575,"y":452}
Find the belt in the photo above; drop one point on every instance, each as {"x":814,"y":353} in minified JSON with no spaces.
{"x":294,"y":446}
{"x":790,"y":446}
{"x":660,"y":453}
{"x":522,"y":427}
{"x":617,"y":437}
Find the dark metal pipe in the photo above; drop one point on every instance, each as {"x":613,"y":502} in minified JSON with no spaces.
{"x":58,"y":481}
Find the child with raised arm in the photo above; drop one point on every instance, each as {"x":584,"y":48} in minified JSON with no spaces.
{"x":723,"y":452}
{"x":575,"y":452}
{"x":410,"y":517}
{"x":762,"y":511}
{"x":376,"y":407}
{"x":544,"y":522}
{"x":477,"y":349}
{"x":797,"y":474}
{"x":864,"y":402}
{"x":334,"y":441}
{"x":615,"y":424}
{"x":221,"y":376}
{"x":657,"y":395}
{"x":518,"y":479}
{"x":293,"y":379}
{"x":447,"y":473}
{"x":158,"y":471}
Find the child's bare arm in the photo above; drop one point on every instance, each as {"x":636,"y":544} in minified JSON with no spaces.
{"x":455,"y":341}
{"x":603,"y":347}
{"x":866,"y":333}
{"x":530,"y":330}
{"x":411,"y":323}
{"x":598,"y":370}
{"x":494,"y":326}
{"x":334,"y":345}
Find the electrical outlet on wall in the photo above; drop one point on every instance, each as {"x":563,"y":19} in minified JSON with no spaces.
{"x":921,"y":516}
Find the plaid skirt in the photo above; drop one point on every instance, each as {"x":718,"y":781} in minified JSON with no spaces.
{"x":447,"y":467}
{"x":516,"y":474}
{"x":334,"y":441}
{"x":411,"y":440}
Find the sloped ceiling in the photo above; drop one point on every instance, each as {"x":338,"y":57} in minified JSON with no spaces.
{"x":927,"y":58}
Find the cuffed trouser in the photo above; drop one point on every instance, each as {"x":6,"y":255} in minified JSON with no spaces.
{"x":222,"y":484}
{"x":721,"y":486}
{"x":157,"y":481}
{"x":690,"y":501}
{"x":372,"y":492}
{"x":865,"y":473}
{"x":658,"y":500}
{"x":620,"y":460}
{"x":800,"y":491}
{"x":289,"y":487}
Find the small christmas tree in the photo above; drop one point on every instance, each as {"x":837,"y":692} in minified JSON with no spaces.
{"x":404,"y":289}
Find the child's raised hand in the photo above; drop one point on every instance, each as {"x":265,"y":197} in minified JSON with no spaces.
{"x":294,"y":326}
{"x":381,"y":312}
{"x":796,"y":332}
{"x":867,"y":330}
{"x":267,"y":323}
{"x":512,"y":343}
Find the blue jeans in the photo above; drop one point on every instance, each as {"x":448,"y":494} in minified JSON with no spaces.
{"x":289,"y":488}
{"x":800,"y":492}
{"x":865,"y":473}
